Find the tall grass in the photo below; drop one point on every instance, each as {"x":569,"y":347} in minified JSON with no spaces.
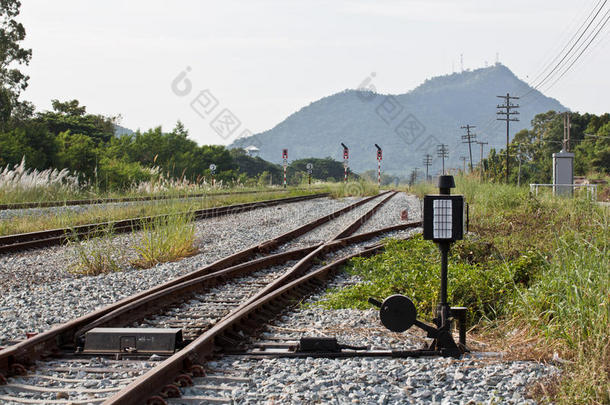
{"x":21,"y":184}
{"x":569,"y":309}
{"x":536,"y":275}
{"x":102,"y":213}
{"x":166,"y":239}
{"x":360,"y":188}
{"x":95,"y":254}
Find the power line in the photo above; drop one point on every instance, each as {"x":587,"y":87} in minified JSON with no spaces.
{"x":567,"y":43}
{"x":585,"y":48}
{"x":557,"y":66}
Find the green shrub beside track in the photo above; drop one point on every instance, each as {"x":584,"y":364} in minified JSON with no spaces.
{"x":534,"y":275}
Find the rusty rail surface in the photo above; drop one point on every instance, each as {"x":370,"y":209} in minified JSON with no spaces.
{"x":243,"y":317}
{"x":246,"y":318}
{"x":30,"y":240}
{"x":64,"y":335}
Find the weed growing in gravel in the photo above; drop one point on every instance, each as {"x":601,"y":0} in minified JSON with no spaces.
{"x":166,"y":239}
{"x":95,"y":254}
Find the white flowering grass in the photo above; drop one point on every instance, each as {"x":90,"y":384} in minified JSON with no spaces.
{"x":22,"y":184}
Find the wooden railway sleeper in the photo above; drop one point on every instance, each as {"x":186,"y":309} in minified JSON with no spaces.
{"x":250,"y":324}
{"x":224,"y":341}
{"x":262,"y":312}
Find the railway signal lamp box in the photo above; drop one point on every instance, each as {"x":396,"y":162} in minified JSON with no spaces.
{"x":444,"y":217}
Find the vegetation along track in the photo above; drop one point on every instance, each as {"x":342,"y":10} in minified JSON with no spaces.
{"x":209,"y":305}
{"x":62,"y":203}
{"x":30,"y":240}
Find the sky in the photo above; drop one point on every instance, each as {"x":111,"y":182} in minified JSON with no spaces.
{"x":155,"y":62}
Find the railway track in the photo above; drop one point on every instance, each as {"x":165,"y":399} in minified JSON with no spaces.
{"x":32,"y":240}
{"x":213,"y":307}
{"x":96,"y":201}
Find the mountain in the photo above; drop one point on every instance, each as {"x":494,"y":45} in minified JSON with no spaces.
{"x":406,"y":126}
{"x":119,"y":130}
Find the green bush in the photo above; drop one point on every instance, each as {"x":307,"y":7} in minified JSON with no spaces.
{"x":412,"y":268}
{"x":115,"y":174}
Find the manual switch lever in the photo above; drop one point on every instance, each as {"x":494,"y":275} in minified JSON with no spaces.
{"x":398,"y":313}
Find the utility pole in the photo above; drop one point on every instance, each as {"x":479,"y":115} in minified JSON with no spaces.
{"x":566,"y":131}
{"x":519,"y":156}
{"x":469,"y":139}
{"x":463,"y":159}
{"x":481,"y":161}
{"x":442,"y":152}
{"x":413,"y":177}
{"x":507,"y":107}
{"x":427,"y":163}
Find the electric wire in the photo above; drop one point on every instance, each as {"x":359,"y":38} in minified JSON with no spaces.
{"x":559,"y":64}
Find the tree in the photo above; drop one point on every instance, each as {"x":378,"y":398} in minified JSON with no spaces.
{"x":71,"y":116}
{"x":77,"y":153}
{"x":70,"y":108}
{"x":12,"y":80}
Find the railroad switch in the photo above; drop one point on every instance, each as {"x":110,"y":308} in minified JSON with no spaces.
{"x":444,"y":223}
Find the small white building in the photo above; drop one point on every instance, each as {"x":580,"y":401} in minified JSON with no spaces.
{"x":252,"y":150}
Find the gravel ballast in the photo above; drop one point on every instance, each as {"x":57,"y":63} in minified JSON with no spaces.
{"x":39,"y":292}
{"x":215,"y":238}
{"x":473,"y":379}
{"x":477,"y":378}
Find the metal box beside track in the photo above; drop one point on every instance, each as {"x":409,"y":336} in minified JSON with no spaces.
{"x":132,"y":340}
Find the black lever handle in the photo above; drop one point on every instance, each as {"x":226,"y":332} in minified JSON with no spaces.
{"x":373,"y":301}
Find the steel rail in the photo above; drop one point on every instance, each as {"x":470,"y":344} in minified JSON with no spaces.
{"x":153,"y":381}
{"x":49,"y":342}
{"x":152,"y":302}
{"x":23,"y":241}
{"x":247,"y":317}
{"x":96,"y":201}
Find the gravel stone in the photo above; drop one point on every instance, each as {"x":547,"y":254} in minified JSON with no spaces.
{"x":39,"y":292}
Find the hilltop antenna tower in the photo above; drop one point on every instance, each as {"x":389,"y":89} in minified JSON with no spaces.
{"x":462,"y":62}
{"x":469,"y":138}
{"x":507,"y":107}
